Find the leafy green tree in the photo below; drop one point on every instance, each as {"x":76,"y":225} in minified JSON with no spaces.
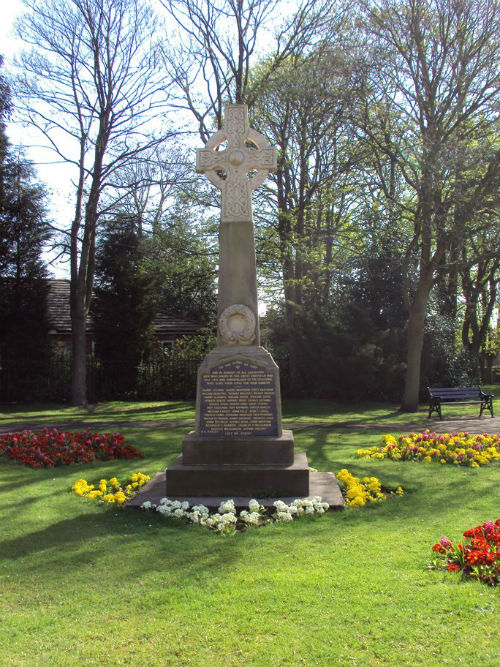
{"x":183,"y":258}
{"x":432,"y":101}
{"x":304,"y":215}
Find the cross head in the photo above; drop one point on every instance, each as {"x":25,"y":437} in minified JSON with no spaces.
{"x":241,"y":167}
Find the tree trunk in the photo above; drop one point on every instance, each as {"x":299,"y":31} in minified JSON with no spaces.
{"x":415,"y":339}
{"x":78,"y":359}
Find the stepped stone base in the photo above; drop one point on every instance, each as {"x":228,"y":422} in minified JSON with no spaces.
{"x":273,"y":450}
{"x":229,"y":480}
{"x":322,"y":484}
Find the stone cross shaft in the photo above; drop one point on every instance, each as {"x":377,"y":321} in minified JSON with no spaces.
{"x":236,"y":171}
{"x":241,"y":167}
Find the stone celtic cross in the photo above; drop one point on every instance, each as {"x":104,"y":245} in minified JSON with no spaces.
{"x":241,"y":167}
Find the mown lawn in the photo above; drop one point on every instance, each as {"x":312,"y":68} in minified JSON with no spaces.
{"x":81,"y":584}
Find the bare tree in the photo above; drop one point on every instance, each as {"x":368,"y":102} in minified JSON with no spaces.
{"x":435,"y":80}
{"x":93,"y":86}
{"x":150,"y":183}
{"x":220,"y":40}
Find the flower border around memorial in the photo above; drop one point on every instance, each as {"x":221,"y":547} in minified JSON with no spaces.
{"x":477,"y":557}
{"x":360,"y":492}
{"x":51,"y":447}
{"x":227,"y":521}
{"x":111,"y":491}
{"x":464,"y":449}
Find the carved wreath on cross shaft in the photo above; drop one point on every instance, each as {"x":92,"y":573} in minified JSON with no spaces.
{"x":229,"y":169}
{"x":237,"y":325}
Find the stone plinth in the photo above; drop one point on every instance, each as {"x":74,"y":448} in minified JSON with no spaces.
{"x":239,"y":479}
{"x":238,"y":447}
{"x":274,"y":450}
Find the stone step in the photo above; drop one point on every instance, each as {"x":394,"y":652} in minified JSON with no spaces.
{"x":273,"y":450}
{"x":228,"y":480}
{"x":322,"y":484}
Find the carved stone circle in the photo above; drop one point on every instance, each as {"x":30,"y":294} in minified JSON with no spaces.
{"x":237,"y":325}
{"x":241,"y":167}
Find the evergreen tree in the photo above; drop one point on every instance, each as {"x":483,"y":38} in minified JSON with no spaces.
{"x":24,"y":342}
{"x":124,"y":305}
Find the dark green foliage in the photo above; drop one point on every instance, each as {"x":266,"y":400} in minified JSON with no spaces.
{"x":24,"y":344}
{"x":124,"y":304}
{"x":23,"y":288}
{"x":354,"y":350}
{"x":186,"y":267}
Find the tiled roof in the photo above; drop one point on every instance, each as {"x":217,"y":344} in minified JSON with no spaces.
{"x":59,"y":309}
{"x":168,"y":324}
{"x":60,"y":318}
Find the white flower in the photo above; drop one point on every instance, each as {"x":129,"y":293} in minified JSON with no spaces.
{"x":185,"y":505}
{"x":251,"y":518}
{"x":309,"y":509}
{"x":284,"y":516}
{"x":280,"y":506}
{"x":164,"y":501}
{"x":201,"y":509}
{"x":254,"y":505}
{"x":146,"y":505}
{"x":226,"y":507}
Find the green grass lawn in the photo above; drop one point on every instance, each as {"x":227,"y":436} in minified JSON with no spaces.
{"x":81,"y":584}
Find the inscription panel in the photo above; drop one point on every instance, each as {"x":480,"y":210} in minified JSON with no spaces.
{"x":238,"y":399}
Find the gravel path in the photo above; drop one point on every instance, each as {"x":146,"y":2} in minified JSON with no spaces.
{"x":470,"y":424}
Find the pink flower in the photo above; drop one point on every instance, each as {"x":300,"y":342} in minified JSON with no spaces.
{"x":446,"y":543}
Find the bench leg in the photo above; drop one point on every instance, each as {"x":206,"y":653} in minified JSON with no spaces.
{"x":434,"y":406}
{"x":486,"y":404}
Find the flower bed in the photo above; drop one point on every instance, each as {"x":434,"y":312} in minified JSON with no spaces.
{"x":477,"y":558}
{"x":358,"y":493}
{"x":53,"y":448}
{"x":465,"y":449}
{"x":111,"y":491}
{"x":226,"y":521}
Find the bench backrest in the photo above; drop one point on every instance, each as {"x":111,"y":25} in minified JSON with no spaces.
{"x":454,"y":393}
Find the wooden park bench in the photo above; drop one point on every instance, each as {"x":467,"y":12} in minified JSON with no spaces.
{"x":458,"y":395}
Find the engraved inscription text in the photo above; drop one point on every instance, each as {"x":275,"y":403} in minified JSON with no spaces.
{"x":238,"y":399}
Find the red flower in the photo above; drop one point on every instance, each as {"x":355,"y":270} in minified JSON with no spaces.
{"x":51,"y":448}
{"x":440,"y":549}
{"x":453,"y":567}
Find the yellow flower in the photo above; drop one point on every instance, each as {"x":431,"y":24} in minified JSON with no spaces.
{"x":357,"y":502}
{"x":120,"y":497}
{"x":399,"y":491}
{"x":109,"y":498}
{"x":81,"y":488}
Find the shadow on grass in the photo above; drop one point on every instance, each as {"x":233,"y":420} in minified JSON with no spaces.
{"x":150,"y":542}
